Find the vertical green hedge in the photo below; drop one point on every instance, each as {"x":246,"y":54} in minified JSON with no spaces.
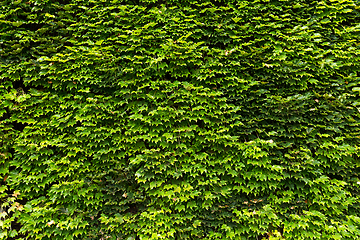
{"x":179,"y":119}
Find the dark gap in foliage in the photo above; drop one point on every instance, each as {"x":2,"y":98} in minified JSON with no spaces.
{"x":5,"y":115}
{"x":21,"y":89}
{"x":133,"y":208}
{"x":64,"y":2}
{"x":32,"y":26}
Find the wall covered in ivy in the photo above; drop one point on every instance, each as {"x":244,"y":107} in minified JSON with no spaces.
{"x":179,"y":119}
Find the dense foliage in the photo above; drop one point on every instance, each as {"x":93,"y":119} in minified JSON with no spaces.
{"x":179,"y":119}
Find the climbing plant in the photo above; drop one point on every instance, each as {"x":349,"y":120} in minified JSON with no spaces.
{"x":179,"y":119}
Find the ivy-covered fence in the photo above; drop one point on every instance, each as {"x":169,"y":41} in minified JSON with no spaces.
{"x":179,"y":119}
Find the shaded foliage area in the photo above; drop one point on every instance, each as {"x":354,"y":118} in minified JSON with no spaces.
{"x":179,"y":119}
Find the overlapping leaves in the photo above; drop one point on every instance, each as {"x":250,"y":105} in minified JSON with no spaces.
{"x":179,"y":119}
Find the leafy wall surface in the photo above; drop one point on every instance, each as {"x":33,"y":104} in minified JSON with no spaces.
{"x":179,"y":119}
